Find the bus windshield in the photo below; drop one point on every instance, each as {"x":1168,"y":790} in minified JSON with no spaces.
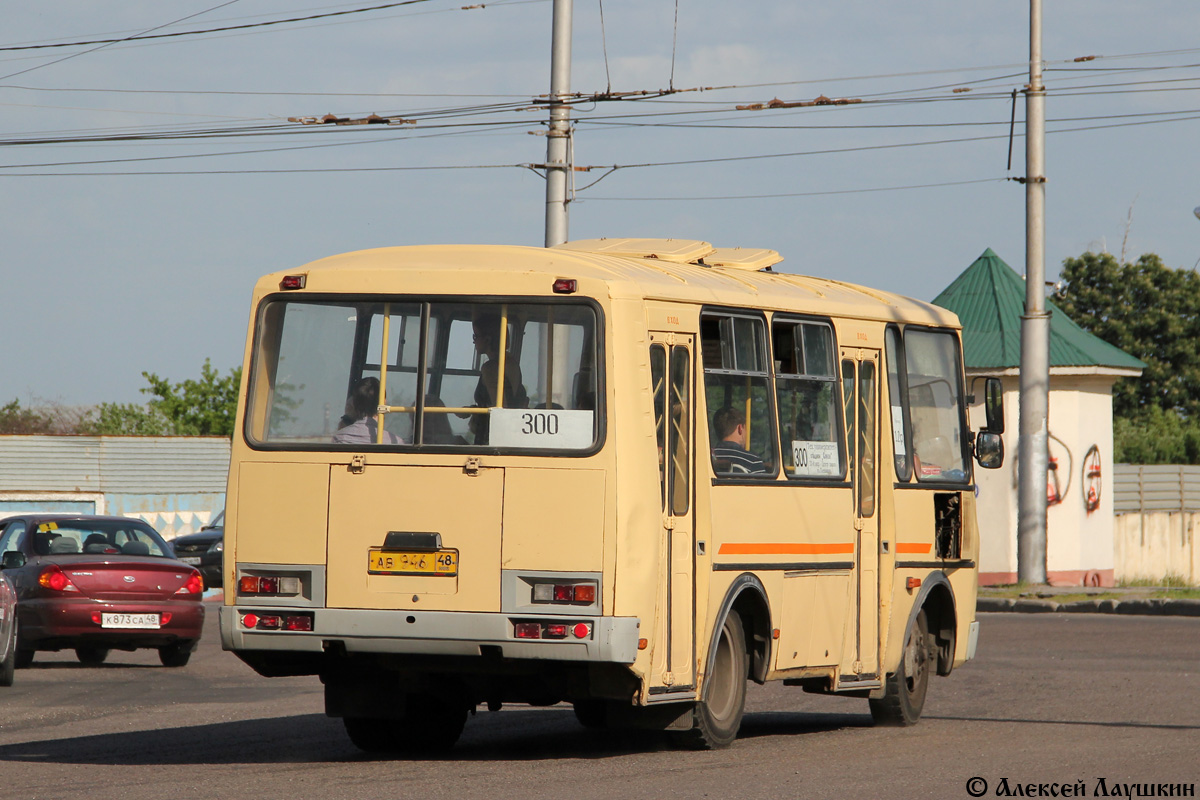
{"x":409,"y":373}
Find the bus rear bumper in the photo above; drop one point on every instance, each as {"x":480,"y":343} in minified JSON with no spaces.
{"x":447,"y":633}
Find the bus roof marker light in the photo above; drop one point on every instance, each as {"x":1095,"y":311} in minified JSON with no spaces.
{"x":293,"y":282}
{"x":565,"y":286}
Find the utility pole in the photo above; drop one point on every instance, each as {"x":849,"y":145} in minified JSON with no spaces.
{"x":1035,"y":328}
{"x":558,"y":137}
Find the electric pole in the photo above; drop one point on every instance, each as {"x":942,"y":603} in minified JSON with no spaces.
{"x":1034,"y":442}
{"x":558,"y":137}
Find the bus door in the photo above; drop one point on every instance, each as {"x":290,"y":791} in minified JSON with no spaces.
{"x":860,"y":394}
{"x":671,"y":368}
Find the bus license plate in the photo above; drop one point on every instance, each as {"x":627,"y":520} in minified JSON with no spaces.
{"x":399,"y":562}
{"x":149,"y":621}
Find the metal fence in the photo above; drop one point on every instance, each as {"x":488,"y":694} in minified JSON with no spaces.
{"x":1156,"y":487}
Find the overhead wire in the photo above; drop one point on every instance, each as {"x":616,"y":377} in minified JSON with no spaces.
{"x":102,"y":45}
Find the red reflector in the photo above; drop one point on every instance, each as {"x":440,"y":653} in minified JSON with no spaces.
{"x":299,"y":623}
{"x":529,"y":630}
{"x":555,"y":631}
{"x":912,"y":583}
{"x":585,"y":593}
{"x":96,"y":618}
{"x":564,"y":286}
{"x":164,"y":618}
{"x":582,"y":630}
{"x":563,"y":594}
{"x":270,"y":622}
{"x":248,"y":584}
{"x":249,"y":620}
{"x":293,"y":281}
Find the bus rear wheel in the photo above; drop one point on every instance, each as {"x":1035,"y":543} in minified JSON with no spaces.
{"x":426,"y":727}
{"x":904,"y":692}
{"x":718,"y":715}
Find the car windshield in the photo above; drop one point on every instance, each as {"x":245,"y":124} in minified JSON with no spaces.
{"x":99,"y":537}
{"x":218,"y":522}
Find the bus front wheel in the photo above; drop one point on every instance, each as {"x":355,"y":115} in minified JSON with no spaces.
{"x":718,"y":715}
{"x":904,"y":692}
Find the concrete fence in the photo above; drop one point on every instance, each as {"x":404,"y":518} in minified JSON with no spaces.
{"x":1157,"y":512}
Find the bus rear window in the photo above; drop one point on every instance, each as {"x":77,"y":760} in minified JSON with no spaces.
{"x":411,"y":374}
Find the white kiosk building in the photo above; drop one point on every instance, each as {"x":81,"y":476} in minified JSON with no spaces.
{"x":989,"y":298}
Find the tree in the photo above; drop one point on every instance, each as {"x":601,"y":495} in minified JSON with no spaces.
{"x":17,"y":420}
{"x":1148,"y":310}
{"x":1156,"y":437}
{"x":125,"y":419}
{"x":205,"y":407}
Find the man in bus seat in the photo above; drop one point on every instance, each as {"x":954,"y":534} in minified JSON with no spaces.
{"x":361,"y":425}
{"x":729,"y":453}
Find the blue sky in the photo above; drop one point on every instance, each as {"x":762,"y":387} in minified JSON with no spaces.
{"x":104,"y":275}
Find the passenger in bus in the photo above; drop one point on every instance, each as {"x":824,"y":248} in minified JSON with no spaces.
{"x":729,"y":453}
{"x":361,"y":425}
{"x":487,"y":343}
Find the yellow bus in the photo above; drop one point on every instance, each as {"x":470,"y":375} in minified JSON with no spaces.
{"x":627,"y":474}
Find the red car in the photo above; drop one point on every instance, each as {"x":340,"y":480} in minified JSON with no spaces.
{"x":96,"y":584}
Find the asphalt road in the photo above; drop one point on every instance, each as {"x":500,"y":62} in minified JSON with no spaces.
{"x":1052,"y":698}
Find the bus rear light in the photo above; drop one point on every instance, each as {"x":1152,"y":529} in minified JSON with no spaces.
{"x":276,"y":622}
{"x":565,"y":593}
{"x":268,"y":584}
{"x":298,"y":622}
{"x":552,"y":630}
{"x":529,"y":630}
{"x":565,"y":286}
{"x":293,"y":282}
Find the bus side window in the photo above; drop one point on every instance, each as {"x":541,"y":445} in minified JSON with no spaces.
{"x":658,"y":381}
{"x":737,"y":395}
{"x":898,"y":399}
{"x":806,"y":395}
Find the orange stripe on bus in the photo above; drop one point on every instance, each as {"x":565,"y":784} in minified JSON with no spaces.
{"x":783,"y":549}
{"x":912,"y":547}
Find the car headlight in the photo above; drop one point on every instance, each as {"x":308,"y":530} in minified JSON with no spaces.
{"x":217,"y":547}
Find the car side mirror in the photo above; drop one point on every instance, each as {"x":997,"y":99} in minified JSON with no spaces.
{"x":993,"y":405}
{"x":12,"y":559}
{"x":989,"y":449}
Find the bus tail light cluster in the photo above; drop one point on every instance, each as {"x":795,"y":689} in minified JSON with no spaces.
{"x":565,"y":593}
{"x":552,"y":630}
{"x":269,"y":584}
{"x":277,"y":622}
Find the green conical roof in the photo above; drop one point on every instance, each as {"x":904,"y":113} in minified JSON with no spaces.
{"x":989,"y":298}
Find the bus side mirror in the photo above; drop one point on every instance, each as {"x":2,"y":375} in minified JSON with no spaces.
{"x":993,"y":405}
{"x":989,"y":449}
